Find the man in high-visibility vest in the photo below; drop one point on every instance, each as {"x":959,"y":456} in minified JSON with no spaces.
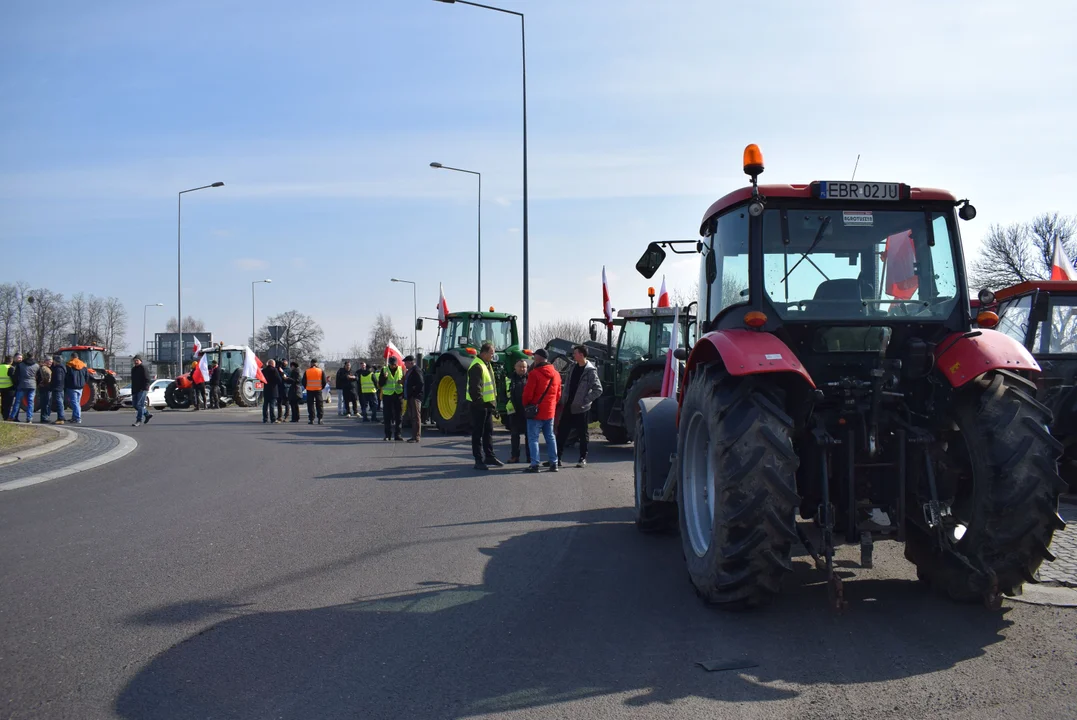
{"x":314,"y":382}
{"x":391,"y":382}
{"x":7,"y":387}
{"x":483,"y":399}
{"x":368,"y":393}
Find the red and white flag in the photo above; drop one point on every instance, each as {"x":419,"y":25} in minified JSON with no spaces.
{"x":607,"y":309}
{"x":391,"y":350}
{"x":663,"y":296}
{"x":200,"y":374}
{"x":443,"y":309}
{"x":252,"y":365}
{"x":671,"y":374}
{"x":1061,"y":266}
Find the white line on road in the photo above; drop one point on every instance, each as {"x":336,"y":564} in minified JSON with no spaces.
{"x":127,"y":444}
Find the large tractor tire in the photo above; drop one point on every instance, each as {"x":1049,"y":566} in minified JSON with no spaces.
{"x":177,"y":398}
{"x":245,"y":393}
{"x":736,"y":488}
{"x":449,"y":408}
{"x":1001,"y":462}
{"x":646,"y":385}
{"x":652,"y":516}
{"x":614,"y":434}
{"x":89,"y":395}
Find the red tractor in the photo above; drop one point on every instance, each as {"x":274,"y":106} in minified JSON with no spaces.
{"x":838,"y":377}
{"x":102,"y":391}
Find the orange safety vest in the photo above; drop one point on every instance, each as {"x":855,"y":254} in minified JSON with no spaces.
{"x":315,"y":379}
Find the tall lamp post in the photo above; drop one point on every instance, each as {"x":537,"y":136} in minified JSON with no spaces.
{"x":144,"y":310}
{"x":179,"y":276}
{"x":253,"y":283}
{"x":523,"y":53}
{"x":415,"y":316}
{"x":439,"y":166}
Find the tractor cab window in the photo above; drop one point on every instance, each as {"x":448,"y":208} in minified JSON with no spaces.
{"x":451,"y":335}
{"x":723,"y":274}
{"x":92,"y":358}
{"x":685,"y":335}
{"x":823,"y":263}
{"x":1013,"y":318}
{"x":635,"y":340}
{"x":496,"y":332}
{"x":1061,"y":327}
{"x":230,"y":361}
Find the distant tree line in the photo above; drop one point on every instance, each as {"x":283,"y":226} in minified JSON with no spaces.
{"x":39,"y":320}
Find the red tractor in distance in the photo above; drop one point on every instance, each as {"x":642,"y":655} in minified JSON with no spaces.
{"x":838,"y":377}
{"x":102,"y":391}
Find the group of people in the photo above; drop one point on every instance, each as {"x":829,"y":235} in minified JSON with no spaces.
{"x":390,"y":388}
{"x":26,"y":386}
{"x":533,"y":398}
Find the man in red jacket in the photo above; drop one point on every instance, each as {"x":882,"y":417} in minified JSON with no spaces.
{"x":544,"y":390}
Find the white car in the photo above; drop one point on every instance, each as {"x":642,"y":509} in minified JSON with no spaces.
{"x":157,"y":394}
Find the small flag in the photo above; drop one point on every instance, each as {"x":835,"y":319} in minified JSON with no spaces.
{"x":671,"y":374}
{"x":663,"y":297}
{"x":391,"y":350}
{"x":443,"y":309}
{"x":1061,"y":266}
{"x":900,"y":263}
{"x":252,"y":365}
{"x":607,"y":309}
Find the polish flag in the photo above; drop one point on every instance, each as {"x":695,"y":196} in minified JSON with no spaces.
{"x":663,"y":297}
{"x":899,"y":257}
{"x":252,"y":365}
{"x":1061,"y":266}
{"x":391,"y":350}
{"x":607,"y":309}
{"x":200,"y":374}
{"x":671,"y":374}
{"x":443,"y":309}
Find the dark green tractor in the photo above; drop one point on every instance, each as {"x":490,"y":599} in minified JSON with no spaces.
{"x":445,"y":369}
{"x":630,"y":365}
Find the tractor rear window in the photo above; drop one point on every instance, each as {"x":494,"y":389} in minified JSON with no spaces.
{"x":1060,"y":337}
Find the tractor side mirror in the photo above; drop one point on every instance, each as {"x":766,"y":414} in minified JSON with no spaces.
{"x":418,"y":323}
{"x":593,"y":332}
{"x":651,"y":260}
{"x":681,"y":353}
{"x":712,"y":267}
{"x":967,"y":211}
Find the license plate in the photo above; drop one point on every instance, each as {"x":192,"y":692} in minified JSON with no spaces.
{"x":855,"y":190}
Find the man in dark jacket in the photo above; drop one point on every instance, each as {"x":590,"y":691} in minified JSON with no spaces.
{"x":25,"y":379}
{"x":514,"y":392}
{"x":584,"y":387}
{"x":44,"y":393}
{"x":295,"y":391}
{"x":269,"y":392}
{"x":214,"y":386}
{"x":483,"y":398}
{"x":56,"y":387}
{"x":285,"y":386}
{"x":75,"y":381}
{"x":140,"y":388}
{"x":413,"y":395}
{"x":346,"y":380}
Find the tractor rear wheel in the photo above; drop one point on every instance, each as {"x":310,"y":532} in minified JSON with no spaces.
{"x":646,"y":385}
{"x":614,"y":434}
{"x":245,"y":394}
{"x":736,"y":488}
{"x":1001,"y":462}
{"x":448,"y":407}
{"x":652,"y":516}
{"x":177,"y":398}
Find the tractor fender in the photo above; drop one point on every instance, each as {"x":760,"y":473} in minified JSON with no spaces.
{"x":747,"y":352}
{"x":966,"y":356}
{"x":658,"y":416}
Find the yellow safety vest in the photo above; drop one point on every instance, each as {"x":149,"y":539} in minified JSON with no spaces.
{"x":366,"y":384}
{"x":488,"y":394}
{"x":509,"y":407}
{"x":5,"y":381}
{"x":392,"y":385}
{"x":314,"y":377}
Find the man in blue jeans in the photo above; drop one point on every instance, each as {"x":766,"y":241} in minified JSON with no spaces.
{"x":543,"y":391}
{"x":75,"y":380}
{"x":25,"y":379}
{"x":140,"y":385}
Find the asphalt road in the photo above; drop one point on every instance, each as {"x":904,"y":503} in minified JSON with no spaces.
{"x":228,"y":569}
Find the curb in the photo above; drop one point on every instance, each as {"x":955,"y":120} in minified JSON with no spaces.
{"x":126,"y":446}
{"x":66,"y":438}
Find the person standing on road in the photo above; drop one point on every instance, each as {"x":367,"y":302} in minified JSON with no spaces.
{"x":7,"y":387}
{"x":56,"y":387}
{"x":391,"y":382}
{"x":543,"y":391}
{"x":25,"y":378}
{"x":283,"y":393}
{"x":584,"y":387}
{"x":294,"y":390}
{"x":413,"y":393}
{"x":214,"y":386}
{"x":480,"y":393}
{"x":199,"y":388}
{"x":75,"y":380}
{"x":368,"y":392}
{"x":44,"y":383}
{"x":346,"y":381}
{"x":140,"y":389}
{"x":270,"y":389}
{"x":514,"y":392}
{"x":314,"y":380}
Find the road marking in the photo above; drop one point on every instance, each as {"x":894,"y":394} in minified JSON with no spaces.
{"x":126,"y":446}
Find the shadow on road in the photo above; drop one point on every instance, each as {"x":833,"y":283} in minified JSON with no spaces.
{"x":584,"y":610}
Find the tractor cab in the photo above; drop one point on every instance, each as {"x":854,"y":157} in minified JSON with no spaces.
{"x":93,"y":356}
{"x":102,"y":391}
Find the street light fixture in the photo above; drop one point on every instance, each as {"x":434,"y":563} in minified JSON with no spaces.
{"x":523,"y":53}
{"x":179,"y":277}
{"x":414,"y":318}
{"x":439,"y":166}
{"x":253,"y":283}
{"x":144,"y":310}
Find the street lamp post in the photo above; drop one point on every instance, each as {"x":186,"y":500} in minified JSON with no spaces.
{"x":179,"y":276}
{"x":144,"y":310}
{"x":253,"y":283}
{"x":439,"y":166}
{"x":523,"y":53}
{"x":414,"y":318}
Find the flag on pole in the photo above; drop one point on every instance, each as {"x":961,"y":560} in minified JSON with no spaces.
{"x":200,"y":374}
{"x":663,"y":297}
{"x":607,"y":309}
{"x":252,"y":365}
{"x":671,"y":374}
{"x":443,"y":309}
{"x":1061,"y":266}
{"x":391,"y":350}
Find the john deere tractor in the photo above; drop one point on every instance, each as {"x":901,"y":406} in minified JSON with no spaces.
{"x":235,"y":387}
{"x":445,"y":369}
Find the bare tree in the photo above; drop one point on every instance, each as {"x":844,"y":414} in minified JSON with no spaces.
{"x":115,"y":325}
{"x":680,"y":297}
{"x":190,"y":325}
{"x":302,"y":336}
{"x":357,"y":352}
{"x":380,"y":335}
{"x":575,"y":331}
{"x":46,"y":319}
{"x":9,"y":313}
{"x":1022,"y":251}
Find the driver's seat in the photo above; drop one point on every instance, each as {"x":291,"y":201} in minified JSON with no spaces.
{"x":841,"y":298}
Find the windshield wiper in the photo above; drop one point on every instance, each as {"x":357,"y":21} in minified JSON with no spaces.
{"x":815,"y":241}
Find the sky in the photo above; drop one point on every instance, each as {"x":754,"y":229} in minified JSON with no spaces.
{"x":322,"y":119}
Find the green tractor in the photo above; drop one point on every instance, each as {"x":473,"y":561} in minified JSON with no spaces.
{"x":445,"y":369}
{"x":630,"y":367}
